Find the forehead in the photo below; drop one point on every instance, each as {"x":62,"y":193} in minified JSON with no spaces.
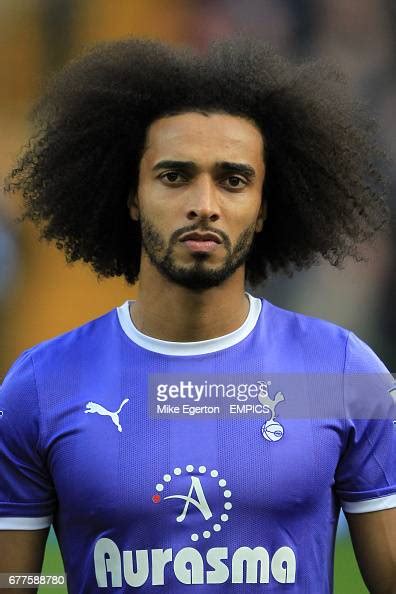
{"x":198,"y":137}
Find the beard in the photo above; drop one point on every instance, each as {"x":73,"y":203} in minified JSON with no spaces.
{"x":198,"y":276}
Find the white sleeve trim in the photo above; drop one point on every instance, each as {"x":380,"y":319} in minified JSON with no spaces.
{"x":369,"y":505}
{"x":25,"y":523}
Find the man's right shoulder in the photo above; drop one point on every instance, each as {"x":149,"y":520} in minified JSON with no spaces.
{"x":70,"y":345}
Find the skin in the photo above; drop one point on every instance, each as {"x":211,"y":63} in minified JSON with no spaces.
{"x":173,"y":200}
{"x":22,"y":551}
{"x":169,"y":309}
{"x":374,"y":541}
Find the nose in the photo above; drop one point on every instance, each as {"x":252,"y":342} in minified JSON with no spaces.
{"x":203,"y":202}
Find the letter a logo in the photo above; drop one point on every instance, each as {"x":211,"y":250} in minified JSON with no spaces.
{"x":200,"y":501}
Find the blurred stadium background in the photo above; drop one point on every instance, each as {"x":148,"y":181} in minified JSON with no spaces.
{"x":41,"y":297}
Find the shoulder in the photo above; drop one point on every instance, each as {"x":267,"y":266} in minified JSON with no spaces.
{"x":320,"y":340}
{"x":302,"y":327}
{"x":65,"y":348}
{"x":77,"y":339}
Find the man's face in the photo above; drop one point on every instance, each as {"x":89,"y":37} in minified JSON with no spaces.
{"x":199,"y":198}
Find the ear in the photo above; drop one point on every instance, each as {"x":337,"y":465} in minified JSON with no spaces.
{"x":261,"y":217}
{"x":133,"y":205}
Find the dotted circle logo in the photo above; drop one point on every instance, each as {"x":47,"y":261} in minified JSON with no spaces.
{"x":201,"y":503}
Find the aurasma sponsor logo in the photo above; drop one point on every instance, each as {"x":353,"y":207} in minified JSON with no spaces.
{"x":115,"y":568}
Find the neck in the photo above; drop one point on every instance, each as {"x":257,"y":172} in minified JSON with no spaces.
{"x":170,"y":312}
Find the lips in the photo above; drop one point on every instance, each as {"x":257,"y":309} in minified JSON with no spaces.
{"x":194,"y":236}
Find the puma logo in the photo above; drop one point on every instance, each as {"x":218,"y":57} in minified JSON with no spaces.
{"x":94,"y":407}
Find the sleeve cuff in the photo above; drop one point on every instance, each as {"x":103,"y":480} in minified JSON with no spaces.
{"x":25,"y":523}
{"x":369,"y":505}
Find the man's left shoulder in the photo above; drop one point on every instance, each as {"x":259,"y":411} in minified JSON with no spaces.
{"x":308,"y":329}
{"x":333,"y":346}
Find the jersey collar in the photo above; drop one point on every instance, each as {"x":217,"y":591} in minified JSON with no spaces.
{"x":201,"y":347}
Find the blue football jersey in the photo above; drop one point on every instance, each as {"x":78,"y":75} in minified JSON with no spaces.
{"x":211,"y":466}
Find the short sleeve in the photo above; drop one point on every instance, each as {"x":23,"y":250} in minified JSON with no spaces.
{"x":27,"y":495}
{"x":366,"y":474}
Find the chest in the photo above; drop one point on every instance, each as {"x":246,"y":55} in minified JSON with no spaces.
{"x":117,"y":462}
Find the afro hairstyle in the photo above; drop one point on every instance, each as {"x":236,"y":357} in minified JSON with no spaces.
{"x":324,"y":190}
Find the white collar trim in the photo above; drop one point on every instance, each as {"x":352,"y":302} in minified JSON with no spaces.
{"x":201,"y":347}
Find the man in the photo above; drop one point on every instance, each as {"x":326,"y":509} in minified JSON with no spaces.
{"x":192,"y":174}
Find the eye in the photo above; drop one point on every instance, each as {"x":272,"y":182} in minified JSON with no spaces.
{"x":172,"y":177}
{"x":235,"y":182}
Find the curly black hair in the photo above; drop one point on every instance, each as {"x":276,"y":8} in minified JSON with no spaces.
{"x":324,"y":187}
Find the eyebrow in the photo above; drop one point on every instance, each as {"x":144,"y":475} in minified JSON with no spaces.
{"x":221,"y":167}
{"x":229,"y":167}
{"x":181,"y":165}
